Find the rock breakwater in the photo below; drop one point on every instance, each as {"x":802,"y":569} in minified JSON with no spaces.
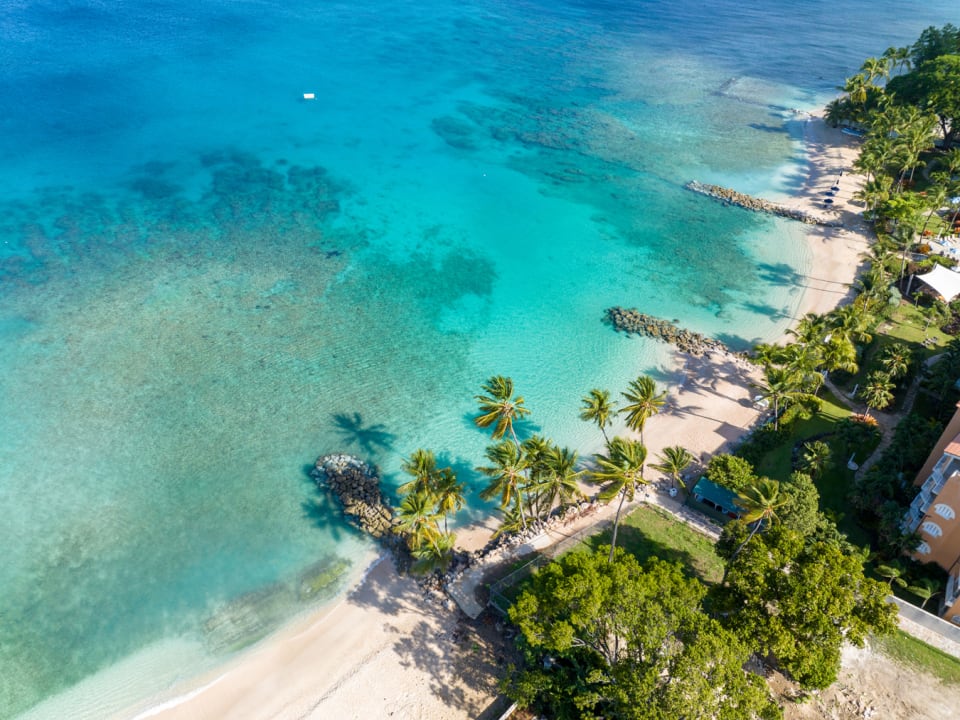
{"x":357,"y":485}
{"x":748,"y":202}
{"x":630,"y":321}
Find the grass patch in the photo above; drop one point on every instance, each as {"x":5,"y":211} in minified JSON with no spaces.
{"x":776,"y":464}
{"x":917,"y":654}
{"x":837,"y":481}
{"x":651,"y":532}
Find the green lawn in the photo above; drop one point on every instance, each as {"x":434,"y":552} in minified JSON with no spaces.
{"x":907,"y":324}
{"x":915,"y":653}
{"x":652,"y":532}
{"x":776,"y":463}
{"x":835,"y":484}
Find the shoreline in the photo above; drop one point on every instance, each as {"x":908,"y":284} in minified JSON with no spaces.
{"x":384,"y":649}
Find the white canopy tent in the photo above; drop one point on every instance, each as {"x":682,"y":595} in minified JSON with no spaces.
{"x":943,"y":281}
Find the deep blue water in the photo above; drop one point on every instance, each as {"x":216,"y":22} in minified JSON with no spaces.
{"x":206,"y":280}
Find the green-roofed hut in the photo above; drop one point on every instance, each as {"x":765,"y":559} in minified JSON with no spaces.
{"x":717,"y":497}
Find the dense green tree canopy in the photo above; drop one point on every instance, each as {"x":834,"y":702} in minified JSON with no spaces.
{"x":730,"y":471}
{"x":619,"y":640}
{"x":934,"y":87}
{"x":798,"y":601}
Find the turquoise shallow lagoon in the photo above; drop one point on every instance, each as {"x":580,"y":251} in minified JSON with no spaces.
{"x":206,"y":281}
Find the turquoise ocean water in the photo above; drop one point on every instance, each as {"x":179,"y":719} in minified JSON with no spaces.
{"x":206,"y":280}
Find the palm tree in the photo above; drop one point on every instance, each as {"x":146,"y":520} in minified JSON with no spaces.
{"x":816,"y":458}
{"x":839,"y":353}
{"x":558,"y":481}
{"x":645,"y":402}
{"x":896,"y":360}
{"x":810,"y":329}
{"x":899,"y":58}
{"x":924,"y":590}
{"x":448,"y":494}
{"x":597,"y":408}
{"x":760,"y":502}
{"x":893,"y":573}
{"x":781,"y":386}
{"x":673,"y":462}
{"x":433,"y":555}
{"x":875,"y":68}
{"x":499,"y":408}
{"x":422,"y":465}
{"x":417,"y":520}
{"x":620,"y":472}
{"x":856,"y":87}
{"x":847,"y":322}
{"x":507,"y":477}
{"x":878,"y":391}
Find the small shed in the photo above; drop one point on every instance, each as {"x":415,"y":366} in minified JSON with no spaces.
{"x":717,"y":497}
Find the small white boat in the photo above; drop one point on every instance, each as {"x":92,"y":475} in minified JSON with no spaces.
{"x":309,"y":96}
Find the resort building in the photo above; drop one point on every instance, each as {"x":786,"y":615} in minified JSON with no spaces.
{"x":934,"y":512}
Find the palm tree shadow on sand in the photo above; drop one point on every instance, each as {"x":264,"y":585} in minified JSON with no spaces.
{"x":371,"y":439}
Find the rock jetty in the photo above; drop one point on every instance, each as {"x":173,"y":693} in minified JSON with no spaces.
{"x":748,"y":202}
{"x":357,"y":485}
{"x":631,"y":321}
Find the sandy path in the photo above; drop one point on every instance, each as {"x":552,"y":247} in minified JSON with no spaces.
{"x":386,"y":651}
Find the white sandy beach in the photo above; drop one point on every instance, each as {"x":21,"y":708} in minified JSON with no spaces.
{"x":386,"y":651}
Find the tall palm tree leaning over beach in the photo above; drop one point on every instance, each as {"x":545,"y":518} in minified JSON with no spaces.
{"x":499,"y":408}
{"x":620,"y":472}
{"x":645,"y":402}
{"x":598,"y":408}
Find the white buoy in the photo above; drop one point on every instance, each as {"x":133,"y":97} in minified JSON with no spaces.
{"x":309,"y":96}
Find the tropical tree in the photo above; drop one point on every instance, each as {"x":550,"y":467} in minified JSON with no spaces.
{"x":799,"y":600}
{"x":435,"y":554}
{"x":598,"y":409}
{"x":924,"y":590}
{"x":628,"y":641}
{"x":893,"y":573}
{"x":673,"y":462}
{"x":896,"y":360}
{"x":645,"y":402}
{"x":619,"y":472}
{"x":759,"y":502}
{"x":816,"y":457}
{"x":839,"y":353}
{"x":780,"y":387}
{"x":417,"y":520}
{"x":422,"y":466}
{"x":507,"y":473}
{"x":499,"y":408}
{"x":878,"y":391}
{"x":558,"y":480}
{"x":448,"y":494}
{"x":846,"y":322}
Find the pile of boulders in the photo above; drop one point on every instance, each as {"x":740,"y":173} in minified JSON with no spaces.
{"x":629,"y":320}
{"x":357,"y":485}
{"x":748,"y":202}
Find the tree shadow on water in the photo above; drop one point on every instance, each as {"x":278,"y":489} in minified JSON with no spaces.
{"x":369,"y":438}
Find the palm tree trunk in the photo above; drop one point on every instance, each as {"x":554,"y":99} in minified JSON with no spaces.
{"x":726,"y":568}
{"x":616,"y":525}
